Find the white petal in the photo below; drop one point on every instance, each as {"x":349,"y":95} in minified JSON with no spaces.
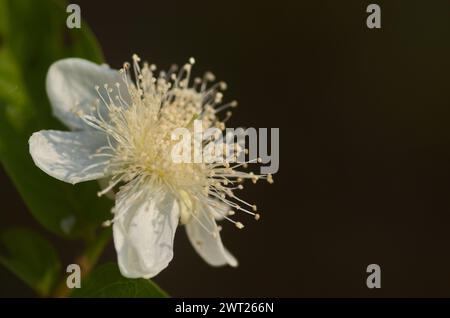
{"x":145,"y":230}
{"x":210,"y":248}
{"x":219,"y":210}
{"x":66,"y":156}
{"x":71,"y":88}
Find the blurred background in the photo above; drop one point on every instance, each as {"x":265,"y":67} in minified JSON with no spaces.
{"x":364,"y":118}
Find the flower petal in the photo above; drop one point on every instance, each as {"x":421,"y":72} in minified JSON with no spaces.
{"x":67,"y":156}
{"x":71,"y":88}
{"x":144,"y":229}
{"x":208,"y":246}
{"x":219,"y":210}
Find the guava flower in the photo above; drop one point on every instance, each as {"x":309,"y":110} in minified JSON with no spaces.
{"x":121,"y":135}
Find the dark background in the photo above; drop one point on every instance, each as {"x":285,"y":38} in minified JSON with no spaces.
{"x":364,"y":118}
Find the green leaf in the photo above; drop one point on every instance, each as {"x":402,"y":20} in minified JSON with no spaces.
{"x":31,"y":258}
{"x":33,"y":34}
{"x":107,"y":282}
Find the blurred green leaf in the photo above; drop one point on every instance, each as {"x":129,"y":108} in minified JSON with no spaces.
{"x":33,"y":34}
{"x":31,"y":258}
{"x":107,"y":282}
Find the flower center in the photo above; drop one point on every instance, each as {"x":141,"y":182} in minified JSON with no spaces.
{"x":139,"y":129}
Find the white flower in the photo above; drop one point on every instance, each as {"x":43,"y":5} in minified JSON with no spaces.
{"x":121,"y":132}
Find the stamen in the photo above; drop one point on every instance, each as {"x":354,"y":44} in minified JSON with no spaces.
{"x":138,"y":123}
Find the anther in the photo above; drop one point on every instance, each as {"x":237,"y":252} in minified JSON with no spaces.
{"x":136,"y":58}
{"x":239,"y":225}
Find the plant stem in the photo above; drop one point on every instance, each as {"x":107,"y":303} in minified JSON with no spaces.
{"x":87,"y":260}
